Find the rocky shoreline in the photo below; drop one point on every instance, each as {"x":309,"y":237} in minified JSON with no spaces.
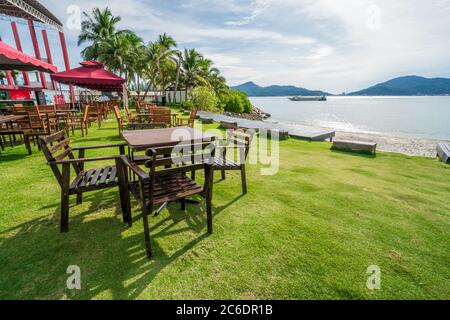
{"x":256,"y":114}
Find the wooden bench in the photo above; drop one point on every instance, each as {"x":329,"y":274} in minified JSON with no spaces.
{"x":229,"y":125}
{"x":207,"y":120}
{"x":443,"y":152}
{"x":355,"y":146}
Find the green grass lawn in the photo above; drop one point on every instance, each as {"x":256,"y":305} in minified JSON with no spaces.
{"x":308,"y":232}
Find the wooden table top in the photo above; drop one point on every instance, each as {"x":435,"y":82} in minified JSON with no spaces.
{"x":143,"y":139}
{"x":11,"y":118}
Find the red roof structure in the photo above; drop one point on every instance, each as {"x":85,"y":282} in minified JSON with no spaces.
{"x":13,"y":59}
{"x":91,"y":75}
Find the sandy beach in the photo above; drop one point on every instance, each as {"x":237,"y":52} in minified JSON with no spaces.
{"x":406,"y":145}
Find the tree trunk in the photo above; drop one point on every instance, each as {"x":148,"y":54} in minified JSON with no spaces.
{"x":138,"y":84}
{"x":177,"y":78}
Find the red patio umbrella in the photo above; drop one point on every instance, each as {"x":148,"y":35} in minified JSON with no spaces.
{"x":91,"y":75}
{"x":12,"y":59}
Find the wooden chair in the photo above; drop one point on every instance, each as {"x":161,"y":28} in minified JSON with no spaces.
{"x":73,"y":121}
{"x":130,"y":116}
{"x":33,"y":125}
{"x":61,"y":155}
{"x":120,"y":121}
{"x":50,"y":117}
{"x":166,"y":183}
{"x":37,"y":120}
{"x":239,"y":141}
{"x":161,"y":115}
{"x":188,"y":121}
{"x":95,"y":114}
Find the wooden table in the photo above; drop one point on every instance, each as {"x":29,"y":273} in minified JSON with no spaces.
{"x":141,"y":140}
{"x":10,"y":130}
{"x":10,"y":118}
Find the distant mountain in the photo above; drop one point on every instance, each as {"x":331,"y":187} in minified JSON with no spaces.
{"x":408,"y":86}
{"x":253,"y":90}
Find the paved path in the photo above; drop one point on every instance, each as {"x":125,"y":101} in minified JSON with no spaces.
{"x":295,"y":131}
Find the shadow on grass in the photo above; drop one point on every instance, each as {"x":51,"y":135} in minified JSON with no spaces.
{"x":111,"y":256}
{"x":354,"y":153}
{"x":9,"y":157}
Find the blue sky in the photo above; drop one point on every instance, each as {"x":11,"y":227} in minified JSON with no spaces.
{"x":332,"y":45}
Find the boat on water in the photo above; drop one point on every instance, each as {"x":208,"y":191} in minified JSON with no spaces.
{"x":303,"y":98}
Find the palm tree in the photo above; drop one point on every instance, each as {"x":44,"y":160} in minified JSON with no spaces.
{"x":178,"y":59}
{"x":216,"y":81}
{"x":194,"y":65}
{"x":121,"y":53}
{"x":160,"y":66}
{"x":96,"y":29}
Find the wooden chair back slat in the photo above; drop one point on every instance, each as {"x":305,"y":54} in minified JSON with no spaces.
{"x":54,"y":137}
{"x":59,"y":145}
{"x":60,"y":151}
{"x":64,"y":154}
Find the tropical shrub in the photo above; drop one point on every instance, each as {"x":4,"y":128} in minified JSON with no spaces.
{"x":238,"y":102}
{"x":204,"y":99}
{"x":187,"y":105}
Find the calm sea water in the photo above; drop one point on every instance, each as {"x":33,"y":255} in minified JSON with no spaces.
{"x":424,"y":117}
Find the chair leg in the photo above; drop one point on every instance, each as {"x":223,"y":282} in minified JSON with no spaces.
{"x":65,"y":198}
{"x":193,"y":175}
{"x":26,"y":140}
{"x":122,"y":174}
{"x":223,"y":175}
{"x":210,"y":174}
{"x":244,"y":179}
{"x":79,"y":198}
{"x":183,"y":204}
{"x":145,"y":213}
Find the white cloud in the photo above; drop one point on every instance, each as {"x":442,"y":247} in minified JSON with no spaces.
{"x":258,"y":7}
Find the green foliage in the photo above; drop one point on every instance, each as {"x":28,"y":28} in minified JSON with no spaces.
{"x":187,"y":105}
{"x":237,"y":101}
{"x":204,"y":99}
